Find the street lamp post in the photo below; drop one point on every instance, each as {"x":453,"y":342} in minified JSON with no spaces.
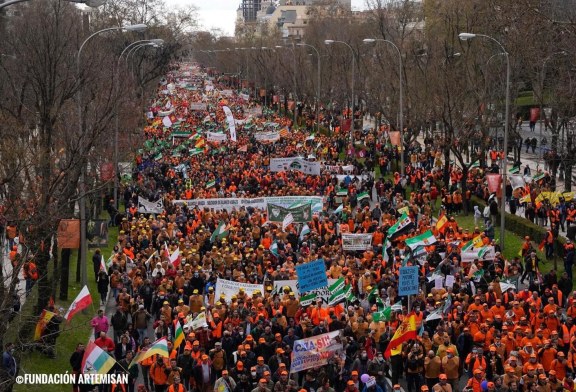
{"x":318,"y":84}
{"x":465,"y":37}
{"x":116,"y":157}
{"x":329,"y":42}
{"x":401,"y":97}
{"x":83,"y":245}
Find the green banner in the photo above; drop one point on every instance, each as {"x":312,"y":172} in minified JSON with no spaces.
{"x":301,"y":214}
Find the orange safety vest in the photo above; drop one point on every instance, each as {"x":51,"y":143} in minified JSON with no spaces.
{"x":180,"y":388}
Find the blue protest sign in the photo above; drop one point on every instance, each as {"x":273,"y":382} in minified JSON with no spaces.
{"x":408,"y":281}
{"x":311,"y":276}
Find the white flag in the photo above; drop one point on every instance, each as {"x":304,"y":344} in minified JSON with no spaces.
{"x":167,"y":122}
{"x":287,"y":221}
{"x":305,"y":230}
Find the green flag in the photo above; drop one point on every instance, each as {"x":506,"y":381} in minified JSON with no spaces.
{"x":307,"y":299}
{"x":382,"y":315}
{"x":220,"y":232}
{"x":337,"y":286}
{"x":363,"y":195}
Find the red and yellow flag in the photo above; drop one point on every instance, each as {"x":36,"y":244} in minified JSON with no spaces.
{"x":440,"y":225}
{"x":45,"y":318}
{"x":405,"y":332}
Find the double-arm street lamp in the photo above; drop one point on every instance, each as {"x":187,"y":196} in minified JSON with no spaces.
{"x":133,"y":45}
{"x":465,"y":37}
{"x":83,"y":244}
{"x":401,"y":97}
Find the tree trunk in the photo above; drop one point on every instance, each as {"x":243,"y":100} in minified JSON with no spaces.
{"x":446,"y":166}
{"x":56,"y":277}
{"x":64,"y":274}
{"x":568,"y":177}
{"x":78,"y":264}
{"x":43,"y":283}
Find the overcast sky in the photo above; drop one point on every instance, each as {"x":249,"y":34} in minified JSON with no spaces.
{"x":222,"y":13}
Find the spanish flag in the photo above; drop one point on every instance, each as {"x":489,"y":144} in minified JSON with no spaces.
{"x":440,"y":225}
{"x":405,"y":332}
{"x":45,"y":318}
{"x":477,"y":241}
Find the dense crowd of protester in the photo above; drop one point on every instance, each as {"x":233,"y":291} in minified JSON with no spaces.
{"x":488,"y":334}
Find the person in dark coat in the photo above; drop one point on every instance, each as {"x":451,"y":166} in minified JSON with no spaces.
{"x":103,"y":282}
{"x":202,"y":369}
{"x":530,"y":267}
{"x":96,"y":262}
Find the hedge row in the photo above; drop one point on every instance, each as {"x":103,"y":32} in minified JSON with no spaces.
{"x":523,"y":227}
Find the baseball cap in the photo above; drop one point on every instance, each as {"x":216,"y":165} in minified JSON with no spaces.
{"x":443,"y":377}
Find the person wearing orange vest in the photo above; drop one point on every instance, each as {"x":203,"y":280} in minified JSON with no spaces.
{"x":475,"y":382}
{"x":159,"y":374}
{"x":571,"y":216}
{"x":176,"y":386}
{"x":549,"y":242}
{"x":30,"y":275}
{"x":475,"y":361}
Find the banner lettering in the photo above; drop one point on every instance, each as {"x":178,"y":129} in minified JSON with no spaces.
{"x":315,"y":351}
{"x":150,"y":207}
{"x":296,"y":163}
{"x":356,"y":241}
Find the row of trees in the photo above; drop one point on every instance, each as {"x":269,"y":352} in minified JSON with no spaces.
{"x":454,"y":89}
{"x":44,"y":148}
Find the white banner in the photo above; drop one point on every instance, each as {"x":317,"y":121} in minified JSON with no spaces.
{"x":299,"y":164}
{"x":227,"y":93}
{"x":230,"y":288}
{"x":230,"y":204}
{"x":517,"y":181}
{"x":315,"y":351}
{"x":322,"y":294}
{"x":215,"y":137}
{"x":478,"y":253}
{"x":356,"y":241}
{"x":230,"y":121}
{"x":198,"y":106}
{"x":336,"y":168}
{"x":267,"y":136}
{"x":198,"y":322}
{"x":245,"y":97}
{"x":150,"y":207}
